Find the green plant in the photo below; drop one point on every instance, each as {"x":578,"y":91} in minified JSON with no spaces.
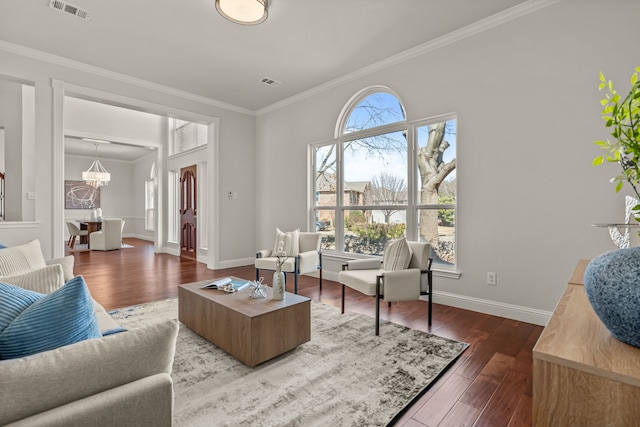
{"x":623,"y":116}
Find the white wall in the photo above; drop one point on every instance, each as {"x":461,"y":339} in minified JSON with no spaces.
{"x":526,"y":95}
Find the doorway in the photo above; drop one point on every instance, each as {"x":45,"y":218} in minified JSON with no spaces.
{"x":188,"y":212}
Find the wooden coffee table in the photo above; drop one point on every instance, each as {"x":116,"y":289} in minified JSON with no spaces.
{"x":252,"y":330}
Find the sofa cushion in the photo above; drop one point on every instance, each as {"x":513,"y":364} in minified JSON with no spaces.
{"x":287,"y":242}
{"x":397,"y":255}
{"x":34,"y":384}
{"x":67,"y":263}
{"x":43,"y":280}
{"x":21,"y":258}
{"x":63,"y":317}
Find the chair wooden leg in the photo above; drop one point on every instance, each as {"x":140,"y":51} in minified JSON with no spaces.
{"x":342,"y":299}
{"x":257,"y":274}
{"x":73,"y":242}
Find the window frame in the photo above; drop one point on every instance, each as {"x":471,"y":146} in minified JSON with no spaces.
{"x":412,"y":208}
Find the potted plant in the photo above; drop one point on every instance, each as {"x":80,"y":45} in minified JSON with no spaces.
{"x":612,"y":280}
{"x":623,"y":116}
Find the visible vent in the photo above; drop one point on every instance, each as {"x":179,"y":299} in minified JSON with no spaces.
{"x":270,"y":82}
{"x":68,"y":8}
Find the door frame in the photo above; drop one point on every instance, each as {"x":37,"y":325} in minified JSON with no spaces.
{"x":61,"y":89}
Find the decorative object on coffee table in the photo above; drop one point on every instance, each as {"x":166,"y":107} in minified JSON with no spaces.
{"x":278,"y":276}
{"x":613,"y":289}
{"x":257,"y":289}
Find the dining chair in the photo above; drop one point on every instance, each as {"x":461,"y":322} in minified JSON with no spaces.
{"x":74,"y":232}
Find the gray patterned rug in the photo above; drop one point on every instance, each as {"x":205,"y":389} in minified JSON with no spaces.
{"x":344,"y":376}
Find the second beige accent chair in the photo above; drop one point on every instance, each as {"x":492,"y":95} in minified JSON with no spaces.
{"x":403,"y":274}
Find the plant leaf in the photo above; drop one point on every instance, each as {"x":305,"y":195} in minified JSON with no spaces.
{"x":619,"y":186}
{"x":598,"y":160}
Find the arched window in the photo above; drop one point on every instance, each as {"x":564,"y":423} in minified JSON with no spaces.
{"x":382,"y":178}
{"x":375,"y":109}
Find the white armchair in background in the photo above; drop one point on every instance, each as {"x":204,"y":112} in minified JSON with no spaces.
{"x":109,"y":238}
{"x":303,"y":255}
{"x":403,"y":274}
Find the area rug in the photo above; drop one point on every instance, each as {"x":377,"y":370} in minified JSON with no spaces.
{"x":344,"y":376}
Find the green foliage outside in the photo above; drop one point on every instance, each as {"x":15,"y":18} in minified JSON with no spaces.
{"x":623,"y":117}
{"x":370,"y":238}
{"x":446,"y":217}
{"x":355,"y":218}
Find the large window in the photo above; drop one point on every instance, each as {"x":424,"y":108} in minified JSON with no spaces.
{"x":384,"y":177}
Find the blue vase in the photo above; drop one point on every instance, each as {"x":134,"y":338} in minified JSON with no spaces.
{"x":612,"y":283}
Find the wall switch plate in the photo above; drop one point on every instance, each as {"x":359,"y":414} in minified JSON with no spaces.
{"x":31,"y":195}
{"x":230,"y":195}
{"x":492,"y":279}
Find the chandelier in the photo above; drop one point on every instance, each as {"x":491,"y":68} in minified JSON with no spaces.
{"x":96,"y":176}
{"x":244,"y":12}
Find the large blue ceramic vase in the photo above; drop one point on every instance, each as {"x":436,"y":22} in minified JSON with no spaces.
{"x":612,"y":283}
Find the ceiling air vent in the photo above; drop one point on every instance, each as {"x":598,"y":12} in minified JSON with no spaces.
{"x":69,"y":8}
{"x":269,"y":81}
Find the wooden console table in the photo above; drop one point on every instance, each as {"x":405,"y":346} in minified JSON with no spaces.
{"x":583,"y":376}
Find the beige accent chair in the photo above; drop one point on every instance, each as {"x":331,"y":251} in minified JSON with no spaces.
{"x":308,"y":259}
{"x":109,"y":238}
{"x":404,"y":284}
{"x":74,"y":232}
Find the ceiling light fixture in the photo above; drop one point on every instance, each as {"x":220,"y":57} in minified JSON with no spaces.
{"x":96,"y":176}
{"x":243,"y":12}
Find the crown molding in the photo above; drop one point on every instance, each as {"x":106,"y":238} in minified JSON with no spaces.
{"x":123,"y":78}
{"x":485,"y":24}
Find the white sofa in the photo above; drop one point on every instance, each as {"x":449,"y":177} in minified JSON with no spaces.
{"x":119,"y":379}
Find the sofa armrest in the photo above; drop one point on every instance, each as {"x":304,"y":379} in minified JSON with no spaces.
{"x":147,"y":402}
{"x":364,"y":264}
{"x":76,"y":371}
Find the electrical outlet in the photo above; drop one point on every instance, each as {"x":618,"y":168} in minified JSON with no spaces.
{"x":492,"y":279}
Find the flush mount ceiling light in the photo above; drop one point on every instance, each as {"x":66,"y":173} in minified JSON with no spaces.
{"x":243,"y":12}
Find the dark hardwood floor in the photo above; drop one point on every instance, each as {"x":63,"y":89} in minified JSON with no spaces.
{"x":489,"y":385}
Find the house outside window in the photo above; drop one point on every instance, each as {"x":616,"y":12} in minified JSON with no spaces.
{"x":396,"y":179}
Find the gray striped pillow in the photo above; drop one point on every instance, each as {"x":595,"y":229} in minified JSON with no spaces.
{"x":397,"y":255}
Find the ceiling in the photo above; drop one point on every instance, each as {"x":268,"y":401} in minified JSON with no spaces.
{"x":114,"y":151}
{"x":188,"y":46}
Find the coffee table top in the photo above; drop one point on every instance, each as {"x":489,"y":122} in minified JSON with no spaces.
{"x":241,"y":302}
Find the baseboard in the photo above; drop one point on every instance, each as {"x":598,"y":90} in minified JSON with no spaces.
{"x":241,"y":262}
{"x":510,"y":311}
{"x":138,"y":236}
{"x":494,"y":308}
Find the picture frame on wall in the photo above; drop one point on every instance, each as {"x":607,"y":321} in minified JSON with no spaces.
{"x":80,"y":195}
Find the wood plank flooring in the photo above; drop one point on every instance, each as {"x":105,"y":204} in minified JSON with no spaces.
{"x":489,"y":385}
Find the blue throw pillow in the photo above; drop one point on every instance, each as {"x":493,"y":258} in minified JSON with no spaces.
{"x":2,"y":246}
{"x":60,"y":318}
